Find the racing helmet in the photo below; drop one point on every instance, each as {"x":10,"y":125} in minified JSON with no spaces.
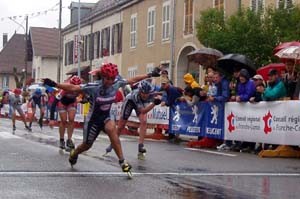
{"x":17,"y":91}
{"x":145,"y":87}
{"x":75,"y":80}
{"x":109,"y":70}
{"x":38,"y":91}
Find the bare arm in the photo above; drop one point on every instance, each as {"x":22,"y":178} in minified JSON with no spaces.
{"x":69,"y":87}
{"x":137,"y":79}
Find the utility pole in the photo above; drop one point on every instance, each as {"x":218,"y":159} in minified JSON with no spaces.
{"x":78,"y":40}
{"x":26,"y":48}
{"x":60,"y":43}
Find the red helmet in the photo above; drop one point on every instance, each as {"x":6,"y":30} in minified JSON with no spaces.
{"x":17,"y":91}
{"x":75,"y":80}
{"x":109,"y":70}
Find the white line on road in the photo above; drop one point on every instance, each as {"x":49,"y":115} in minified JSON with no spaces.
{"x":95,"y":174}
{"x":213,"y":152}
{"x":7,"y":135}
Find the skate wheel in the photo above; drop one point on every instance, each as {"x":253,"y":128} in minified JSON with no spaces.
{"x":129,"y":174}
{"x":141,"y":156}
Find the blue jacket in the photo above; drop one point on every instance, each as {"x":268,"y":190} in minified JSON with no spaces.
{"x":246,"y":90}
{"x":223,"y":91}
{"x":171,"y":94}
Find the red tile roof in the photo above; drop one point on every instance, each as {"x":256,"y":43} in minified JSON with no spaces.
{"x":13,"y":55}
{"x":45,"y":41}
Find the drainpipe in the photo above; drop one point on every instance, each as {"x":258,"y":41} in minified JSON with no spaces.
{"x":173,"y":29}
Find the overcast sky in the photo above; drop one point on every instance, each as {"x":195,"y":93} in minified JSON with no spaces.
{"x":41,"y":13}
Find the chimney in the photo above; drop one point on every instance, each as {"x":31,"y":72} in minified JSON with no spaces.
{"x":4,"y":39}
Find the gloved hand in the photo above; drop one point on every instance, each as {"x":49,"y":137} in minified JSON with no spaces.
{"x":49,"y":82}
{"x":157,"y":101}
{"x":155,"y":72}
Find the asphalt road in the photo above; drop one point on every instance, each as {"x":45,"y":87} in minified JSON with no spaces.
{"x":32,"y":166}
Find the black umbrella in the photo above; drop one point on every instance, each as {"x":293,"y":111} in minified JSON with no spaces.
{"x":231,"y":61}
{"x":205,"y":56}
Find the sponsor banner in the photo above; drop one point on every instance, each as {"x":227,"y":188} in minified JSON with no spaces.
{"x":158,"y":115}
{"x":214,"y":120}
{"x":185,"y":119}
{"x":275,"y":122}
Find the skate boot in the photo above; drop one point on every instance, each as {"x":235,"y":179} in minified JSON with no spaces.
{"x":62,"y":144}
{"x":73,"y":157}
{"x":126,"y":167}
{"x":41,"y":123}
{"x":108,"y":150}
{"x":14,"y":129}
{"x":28,"y":128}
{"x":70,"y":145}
{"x":142,"y":152}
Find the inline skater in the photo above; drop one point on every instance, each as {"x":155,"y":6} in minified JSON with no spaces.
{"x":15,"y":101}
{"x":66,"y":103}
{"x":101,"y":95}
{"x":37,"y":99}
{"x":142,"y":100}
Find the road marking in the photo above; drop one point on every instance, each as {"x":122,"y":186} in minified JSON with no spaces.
{"x":7,"y":135}
{"x":96,"y":174}
{"x":213,"y":152}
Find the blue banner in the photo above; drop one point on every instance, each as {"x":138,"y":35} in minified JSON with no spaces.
{"x":201,"y":119}
{"x":185,"y":119}
{"x":214,"y":120}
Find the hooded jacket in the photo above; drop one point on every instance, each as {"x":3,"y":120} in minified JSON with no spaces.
{"x":189,"y":79}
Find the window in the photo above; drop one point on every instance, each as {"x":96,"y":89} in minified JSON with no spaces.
{"x":188,"y":17}
{"x":97,"y":44}
{"x":132,"y":72}
{"x":91,"y":46}
{"x":166,"y":16}
{"x":133,"y":31}
{"x":151,"y":25}
{"x":116,"y":38}
{"x":257,"y":5}
{"x":69,"y":50}
{"x":149,"y":68}
{"x":5,"y":82}
{"x":105,"y":42}
{"x":284,"y":3}
{"x":219,"y":4}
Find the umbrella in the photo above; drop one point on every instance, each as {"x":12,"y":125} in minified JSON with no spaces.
{"x":231,"y":61}
{"x":263,"y":71}
{"x":291,"y":52}
{"x":205,"y":56}
{"x":284,"y":45}
{"x":33,"y":87}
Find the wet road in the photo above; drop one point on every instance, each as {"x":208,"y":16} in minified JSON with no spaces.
{"x":31,"y":166}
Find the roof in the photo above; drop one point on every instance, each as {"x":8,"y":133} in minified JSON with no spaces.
{"x":45,"y":41}
{"x":101,"y":8}
{"x":13,"y":55}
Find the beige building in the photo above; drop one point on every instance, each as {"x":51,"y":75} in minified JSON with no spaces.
{"x":138,"y":35}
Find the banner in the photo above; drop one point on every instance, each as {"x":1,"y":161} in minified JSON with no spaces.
{"x":214,"y":120}
{"x":265,"y":122}
{"x":185,"y":119}
{"x":158,"y":115}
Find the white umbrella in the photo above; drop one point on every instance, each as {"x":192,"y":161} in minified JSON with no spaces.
{"x":33,"y":87}
{"x":291,"y":52}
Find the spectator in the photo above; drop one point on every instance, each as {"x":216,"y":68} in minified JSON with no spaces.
{"x":290,"y":78}
{"x":234,"y":82}
{"x":222,"y":88}
{"x":170,"y":95}
{"x":165,"y":73}
{"x":190,"y":81}
{"x":275,"y":89}
{"x":246,"y":87}
{"x":259,"y":88}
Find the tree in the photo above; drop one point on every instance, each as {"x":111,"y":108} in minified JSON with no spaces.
{"x":19,"y":81}
{"x":247,"y":32}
